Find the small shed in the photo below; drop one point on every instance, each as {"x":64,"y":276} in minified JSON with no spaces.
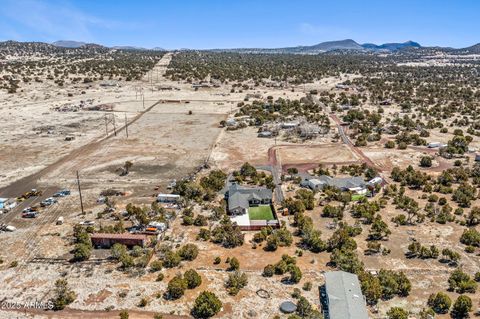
{"x":105,"y":240}
{"x":168,"y":198}
{"x":434,"y":144}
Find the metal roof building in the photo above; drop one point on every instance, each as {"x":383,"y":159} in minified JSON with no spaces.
{"x":344,"y":298}
{"x":343,"y":183}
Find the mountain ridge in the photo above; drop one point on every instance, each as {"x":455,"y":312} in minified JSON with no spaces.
{"x":346,"y":45}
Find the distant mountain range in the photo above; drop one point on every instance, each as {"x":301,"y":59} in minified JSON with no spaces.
{"x":69,"y":44}
{"x":77,"y":44}
{"x":347,"y":44}
{"x":329,"y":46}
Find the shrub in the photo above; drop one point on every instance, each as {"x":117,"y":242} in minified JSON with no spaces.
{"x":82,"y":252}
{"x":440,"y":302}
{"x":192,"y":278}
{"x":236,"y":281}
{"x":156,"y":265}
{"x":295,"y":274}
{"x":206,"y":305}
{"x":426,"y":161}
{"x":462,"y":306}
{"x":118,"y":250}
{"x":63,"y":295}
{"x":470,"y":237}
{"x":268,"y":271}
{"x":171,"y":259}
{"x":143,"y":302}
{"x":397,"y":313}
{"x":176,"y":287}
{"x":307,"y":286}
{"x":461,"y":282}
{"x":188,"y":252}
{"x":234,"y":264}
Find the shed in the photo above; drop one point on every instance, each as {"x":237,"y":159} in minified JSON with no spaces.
{"x":105,"y":240}
{"x":168,"y":198}
{"x":434,"y":144}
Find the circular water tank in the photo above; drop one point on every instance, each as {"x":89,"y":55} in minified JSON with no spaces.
{"x":288,"y":307}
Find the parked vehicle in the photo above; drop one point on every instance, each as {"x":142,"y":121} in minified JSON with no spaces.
{"x":32,"y":193}
{"x":5,"y":227}
{"x":87,"y":223}
{"x":60,"y":220}
{"x":29,"y":215}
{"x":30,"y":209}
{"x":62,"y":193}
{"x":47,"y":202}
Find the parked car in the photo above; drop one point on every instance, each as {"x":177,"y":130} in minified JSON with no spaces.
{"x":87,"y":223}
{"x":30,"y":209}
{"x":29,"y":214}
{"x":47,"y":202}
{"x":62,"y":193}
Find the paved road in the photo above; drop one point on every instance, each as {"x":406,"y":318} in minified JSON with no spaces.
{"x":25,"y":184}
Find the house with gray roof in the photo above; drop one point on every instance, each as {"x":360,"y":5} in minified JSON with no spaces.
{"x":342,"y":183}
{"x":342,"y":297}
{"x":241,"y":198}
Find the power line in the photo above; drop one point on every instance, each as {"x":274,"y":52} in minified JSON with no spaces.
{"x":126,"y":124}
{"x":80,"y":192}
{"x":114,"y":127}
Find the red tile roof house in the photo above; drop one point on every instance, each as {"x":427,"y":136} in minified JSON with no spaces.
{"x":105,"y":240}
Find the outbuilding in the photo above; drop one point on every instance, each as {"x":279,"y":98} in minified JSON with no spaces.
{"x":434,"y":144}
{"x":168,"y":198}
{"x":342,"y":297}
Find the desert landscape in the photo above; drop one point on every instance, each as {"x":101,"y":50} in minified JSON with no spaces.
{"x":232,"y":183}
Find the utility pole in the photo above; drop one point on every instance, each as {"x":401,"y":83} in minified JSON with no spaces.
{"x":114,"y":127}
{"x":143,"y":100}
{"x":106,"y":128}
{"x":126,"y":124}
{"x":80,"y":192}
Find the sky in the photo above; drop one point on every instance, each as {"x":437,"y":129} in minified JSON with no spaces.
{"x":204,"y":24}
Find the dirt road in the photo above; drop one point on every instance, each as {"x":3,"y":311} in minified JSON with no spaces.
{"x":27,"y":183}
